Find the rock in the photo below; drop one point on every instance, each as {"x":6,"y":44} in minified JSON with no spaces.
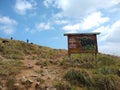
{"x":29,"y":81}
{"x":30,"y":66}
{"x":42,"y":74}
{"x":49,"y":77}
{"x":51,"y":61}
{"x":5,"y":41}
{"x":50,"y":88}
{"x":0,"y":87}
{"x":4,"y":88}
{"x":45,"y":67}
{"x":23,"y":80}
{"x":41,"y":66}
{"x":16,"y":86}
{"x":33,"y":75}
{"x":37,"y":86}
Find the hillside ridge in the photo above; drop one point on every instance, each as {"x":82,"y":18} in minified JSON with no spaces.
{"x":16,"y":49}
{"x":27,"y":66}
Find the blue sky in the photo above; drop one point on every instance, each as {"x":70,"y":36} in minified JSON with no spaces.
{"x":44,"y":22}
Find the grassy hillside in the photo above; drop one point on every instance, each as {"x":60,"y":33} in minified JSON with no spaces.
{"x":14,"y":49}
{"x":53,"y":69}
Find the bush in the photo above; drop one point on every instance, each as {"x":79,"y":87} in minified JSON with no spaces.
{"x":78,"y":77}
{"x":10,"y":83}
{"x":87,"y":65}
{"x":62,"y":86}
{"x":10,"y":67}
{"x":40,"y":80}
{"x":107,"y":82}
{"x":39,"y":71}
{"x":104,"y":70}
{"x":43,"y":63}
{"x":107,"y":61}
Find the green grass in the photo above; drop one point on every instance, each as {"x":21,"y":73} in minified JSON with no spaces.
{"x":15,"y":49}
{"x":63,"y":86}
{"x":8,"y":67}
{"x":79,"y":77}
{"x":107,"y":82}
{"x":81,"y":71}
{"x":40,"y":80}
{"x":10,"y":83}
{"x":86,"y":74}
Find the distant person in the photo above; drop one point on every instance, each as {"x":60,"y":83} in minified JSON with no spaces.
{"x":11,"y":38}
{"x":27,"y":41}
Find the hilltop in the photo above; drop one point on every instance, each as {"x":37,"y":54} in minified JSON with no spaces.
{"x":15,"y":49}
{"x":27,"y":66}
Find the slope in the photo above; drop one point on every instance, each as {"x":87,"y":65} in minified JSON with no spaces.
{"x":27,"y":66}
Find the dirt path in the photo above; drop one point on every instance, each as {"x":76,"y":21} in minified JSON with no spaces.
{"x":50,"y":75}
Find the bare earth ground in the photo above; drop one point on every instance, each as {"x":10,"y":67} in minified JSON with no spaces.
{"x":51,"y":73}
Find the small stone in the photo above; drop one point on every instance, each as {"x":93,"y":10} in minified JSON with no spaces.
{"x":30,"y":81}
{"x":0,"y":87}
{"x":23,"y":80}
{"x":33,"y":75}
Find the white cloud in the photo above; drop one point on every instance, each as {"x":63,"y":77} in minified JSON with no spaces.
{"x":71,"y":28}
{"x":93,"y":20}
{"x":110,"y":38}
{"x":114,"y":33}
{"x":110,"y":33}
{"x":61,"y":21}
{"x":39,"y":27}
{"x":77,"y":8}
{"x":110,"y":48}
{"x":43,"y":26}
{"x":47,"y":2}
{"x":30,"y":30}
{"x":7,"y":25}
{"x":22,"y":6}
{"x":58,"y":15}
{"x":54,"y":38}
{"x":104,"y":30}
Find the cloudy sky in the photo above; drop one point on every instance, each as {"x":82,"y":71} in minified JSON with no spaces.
{"x":44,"y":22}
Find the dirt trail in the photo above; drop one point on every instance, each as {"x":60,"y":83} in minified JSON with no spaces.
{"x":28,"y":72}
{"x":50,"y":75}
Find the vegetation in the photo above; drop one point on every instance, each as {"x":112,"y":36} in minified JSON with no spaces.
{"x":8,"y":67}
{"x":104,"y":76}
{"x":107,"y":82}
{"x":40,"y":80}
{"x":79,"y":73}
{"x":10,"y":83}
{"x":43,"y":63}
{"x":62,"y":86}
{"x":14,"y":49}
{"x":79,"y":77}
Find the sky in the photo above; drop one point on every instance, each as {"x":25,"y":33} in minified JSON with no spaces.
{"x":44,"y":22}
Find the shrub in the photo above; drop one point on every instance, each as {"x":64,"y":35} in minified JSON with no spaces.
{"x":62,"y":86}
{"x":87,"y":65}
{"x":104,"y":70}
{"x":10,"y":83}
{"x":40,"y":80}
{"x":39,"y":71}
{"x":10,"y":66}
{"x":78,"y":77}
{"x":107,"y":61}
{"x":114,"y":70}
{"x":107,"y":82}
{"x":43,"y":63}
